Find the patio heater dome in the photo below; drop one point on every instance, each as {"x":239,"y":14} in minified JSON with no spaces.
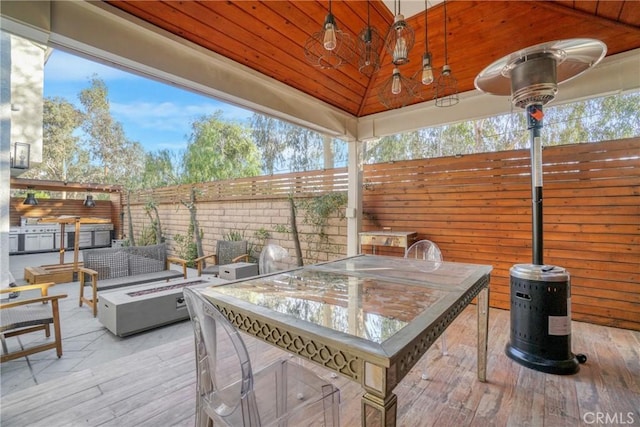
{"x":532,"y":75}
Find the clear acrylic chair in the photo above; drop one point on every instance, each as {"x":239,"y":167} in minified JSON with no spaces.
{"x":274,"y":258}
{"x":424,"y":249}
{"x":230,"y":393}
{"x":428,"y":251}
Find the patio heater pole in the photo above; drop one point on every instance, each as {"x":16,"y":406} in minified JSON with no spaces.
{"x":534,"y":120}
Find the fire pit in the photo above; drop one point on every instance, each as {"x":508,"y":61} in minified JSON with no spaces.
{"x":138,"y":308}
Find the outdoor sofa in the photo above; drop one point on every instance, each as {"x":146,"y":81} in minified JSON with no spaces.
{"x":111,"y":268}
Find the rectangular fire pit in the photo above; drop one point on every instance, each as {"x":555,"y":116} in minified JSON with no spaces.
{"x":135,"y":309}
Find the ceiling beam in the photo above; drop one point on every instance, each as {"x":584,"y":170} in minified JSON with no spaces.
{"x":46,"y":185}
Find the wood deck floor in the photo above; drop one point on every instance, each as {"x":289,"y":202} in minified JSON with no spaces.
{"x":157,"y":386}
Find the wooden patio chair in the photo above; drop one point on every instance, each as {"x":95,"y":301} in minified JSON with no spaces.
{"x":24,"y":316}
{"x":227,"y":252}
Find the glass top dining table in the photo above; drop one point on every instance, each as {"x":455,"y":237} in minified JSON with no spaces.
{"x":367,"y":317}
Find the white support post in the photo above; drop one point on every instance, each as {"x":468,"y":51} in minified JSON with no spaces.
{"x":354,"y":194}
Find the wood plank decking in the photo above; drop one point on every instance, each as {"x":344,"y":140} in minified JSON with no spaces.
{"x":157,"y":386}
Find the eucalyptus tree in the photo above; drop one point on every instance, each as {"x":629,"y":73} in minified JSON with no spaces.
{"x":119,"y":158}
{"x":161,"y":169}
{"x":285,"y":146}
{"x":219,"y":150}
{"x":63,"y":157}
{"x":600,"y":119}
{"x":265,"y":132}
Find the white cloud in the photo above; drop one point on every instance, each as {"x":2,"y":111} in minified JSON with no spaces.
{"x":170,"y":116}
{"x":160,"y":116}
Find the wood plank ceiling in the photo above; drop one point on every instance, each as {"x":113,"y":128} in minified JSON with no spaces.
{"x":269,"y":37}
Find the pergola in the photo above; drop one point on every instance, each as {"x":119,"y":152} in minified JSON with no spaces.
{"x":250,"y":53}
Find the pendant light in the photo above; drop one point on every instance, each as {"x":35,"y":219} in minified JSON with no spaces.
{"x":426,"y":72}
{"x":89,"y":202}
{"x":369,"y":45}
{"x":397,"y":91}
{"x":329,"y":47}
{"x":30,"y":200}
{"x":446,"y":85}
{"x":400,"y":38}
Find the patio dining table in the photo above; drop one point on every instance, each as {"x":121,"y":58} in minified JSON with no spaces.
{"x":367,"y":317}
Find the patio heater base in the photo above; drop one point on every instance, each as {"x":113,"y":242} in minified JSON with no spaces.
{"x":541,"y":319}
{"x":532,"y":361}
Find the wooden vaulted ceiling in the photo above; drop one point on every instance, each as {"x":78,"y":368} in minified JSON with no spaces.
{"x":268,"y":36}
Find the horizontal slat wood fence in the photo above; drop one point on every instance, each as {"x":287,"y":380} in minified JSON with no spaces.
{"x":109,"y":209}
{"x":477,"y":208}
{"x":300,"y":184}
{"x":61,"y":207}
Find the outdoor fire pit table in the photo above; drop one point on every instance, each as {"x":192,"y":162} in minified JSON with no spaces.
{"x":134,"y":309}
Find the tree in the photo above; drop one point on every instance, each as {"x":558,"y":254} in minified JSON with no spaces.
{"x":219,"y":150}
{"x":285,"y":146}
{"x":593,"y":120}
{"x":264,"y":131}
{"x":117,"y":156}
{"x":160,"y":170}
{"x":63,"y":158}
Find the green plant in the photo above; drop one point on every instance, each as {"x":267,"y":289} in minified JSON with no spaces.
{"x":235,"y":235}
{"x":151,"y":208}
{"x":280,"y":228}
{"x":318,"y":210}
{"x":262,"y":234}
{"x":187,"y":248}
{"x":147,"y":236}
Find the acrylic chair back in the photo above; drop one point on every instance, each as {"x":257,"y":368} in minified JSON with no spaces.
{"x":425,"y":250}
{"x":229,"y":392}
{"x":428,"y":251}
{"x":274,"y":258}
{"x":225,"y":390}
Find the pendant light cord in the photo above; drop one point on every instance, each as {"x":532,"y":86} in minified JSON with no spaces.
{"x":426,"y":38}
{"x":446,"y":58}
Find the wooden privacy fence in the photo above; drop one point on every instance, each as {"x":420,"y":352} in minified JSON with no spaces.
{"x":477,"y":208}
{"x":300,"y":184}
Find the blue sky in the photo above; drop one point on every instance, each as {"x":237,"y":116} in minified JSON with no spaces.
{"x":157,"y":115}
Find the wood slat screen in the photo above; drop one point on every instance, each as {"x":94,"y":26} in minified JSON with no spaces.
{"x":299,"y":184}
{"x":62,"y":207}
{"x":477,"y":208}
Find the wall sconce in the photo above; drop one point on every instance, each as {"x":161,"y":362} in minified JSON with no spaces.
{"x":21,"y":156}
{"x":30,"y":200}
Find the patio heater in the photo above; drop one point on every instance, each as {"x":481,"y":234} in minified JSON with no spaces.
{"x":540,"y":336}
